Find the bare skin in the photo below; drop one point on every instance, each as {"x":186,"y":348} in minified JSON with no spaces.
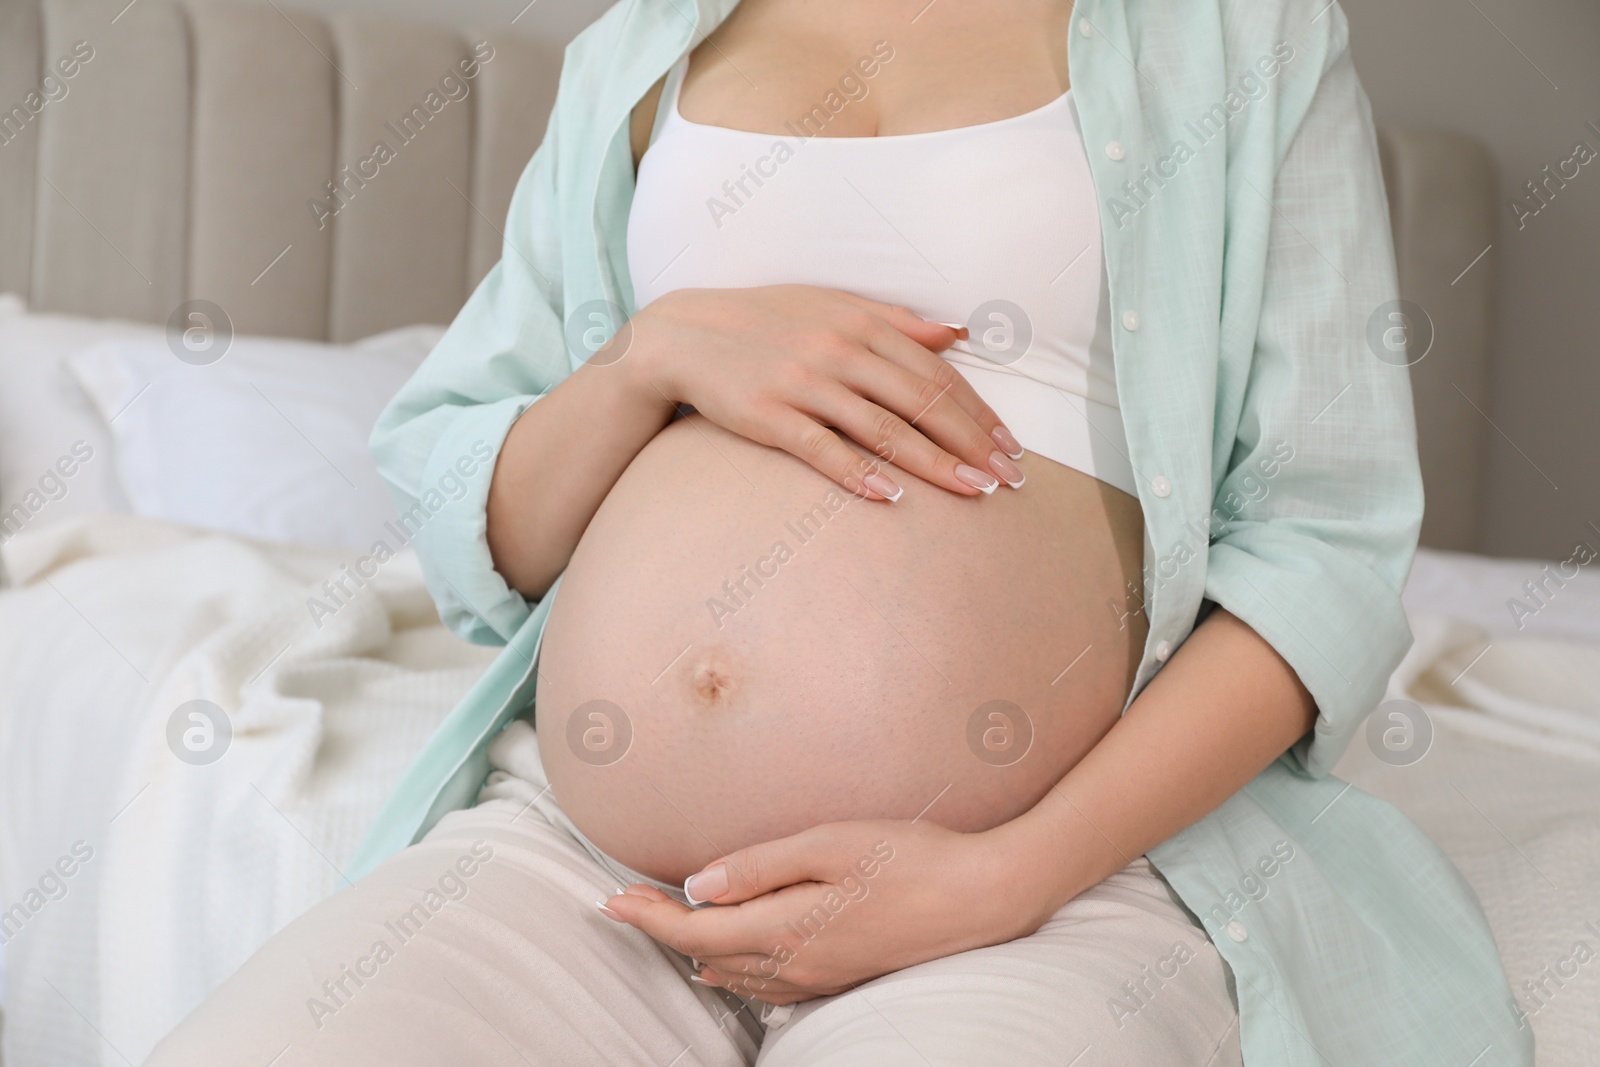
{"x":837,"y":396}
{"x":835,"y":678}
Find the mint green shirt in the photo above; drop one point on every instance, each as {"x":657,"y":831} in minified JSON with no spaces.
{"x":1248,"y":255}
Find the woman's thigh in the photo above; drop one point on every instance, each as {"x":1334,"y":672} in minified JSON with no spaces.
{"x":1119,"y":976}
{"x":479,"y":944}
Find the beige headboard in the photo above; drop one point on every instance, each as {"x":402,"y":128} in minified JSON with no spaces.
{"x":183,"y":159}
{"x":1442,"y":208}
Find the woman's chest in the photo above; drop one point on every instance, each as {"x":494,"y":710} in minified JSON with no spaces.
{"x":906,"y":67}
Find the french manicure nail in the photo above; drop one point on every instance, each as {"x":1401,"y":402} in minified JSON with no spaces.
{"x":1007,"y":443}
{"x":707,"y":885}
{"x":697,"y":978}
{"x":607,"y":912}
{"x":974,"y":477}
{"x":881,"y":485}
{"x":1008,"y":471}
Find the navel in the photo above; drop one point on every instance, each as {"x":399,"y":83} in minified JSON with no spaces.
{"x":712,"y":682}
{"x":712,"y":686}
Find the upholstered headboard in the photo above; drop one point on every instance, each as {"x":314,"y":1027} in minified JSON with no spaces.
{"x":232,"y":153}
{"x":1442,"y":208}
{"x":187,"y":153}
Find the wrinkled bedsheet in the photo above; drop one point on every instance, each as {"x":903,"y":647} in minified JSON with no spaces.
{"x":182,"y":867}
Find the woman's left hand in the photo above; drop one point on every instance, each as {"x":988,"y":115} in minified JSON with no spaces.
{"x":824,"y":910}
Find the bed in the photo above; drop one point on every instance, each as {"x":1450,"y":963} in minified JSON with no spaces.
{"x":206,"y":181}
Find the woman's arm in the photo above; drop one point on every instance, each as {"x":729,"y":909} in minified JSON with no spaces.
{"x":781,"y":365}
{"x":553,"y":471}
{"x":531,"y":545}
{"x":1223,"y":708}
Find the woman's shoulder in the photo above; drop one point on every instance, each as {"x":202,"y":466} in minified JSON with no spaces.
{"x":1212,"y":46}
{"x":631,"y":39}
{"x":628,"y":28}
{"x":1255,"y":27}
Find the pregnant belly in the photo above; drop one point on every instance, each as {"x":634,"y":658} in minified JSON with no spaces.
{"x":741,"y":650}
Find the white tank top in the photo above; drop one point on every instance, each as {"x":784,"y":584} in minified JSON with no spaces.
{"x":993,"y":226}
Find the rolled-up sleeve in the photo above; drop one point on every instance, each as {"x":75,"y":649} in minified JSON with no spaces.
{"x":437,"y":441}
{"x":1322,"y":493}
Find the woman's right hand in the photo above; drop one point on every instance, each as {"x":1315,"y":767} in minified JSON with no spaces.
{"x":784,"y":365}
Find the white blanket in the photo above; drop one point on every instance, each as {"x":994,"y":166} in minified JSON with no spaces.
{"x":1510,"y":789}
{"x":115,"y":622}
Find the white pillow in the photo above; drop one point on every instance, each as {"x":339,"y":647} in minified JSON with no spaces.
{"x":270,"y":441}
{"x":55,"y":450}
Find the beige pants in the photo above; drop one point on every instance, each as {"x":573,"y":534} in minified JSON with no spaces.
{"x":481,"y":944}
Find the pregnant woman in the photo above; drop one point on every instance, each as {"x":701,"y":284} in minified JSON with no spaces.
{"x":948,"y":517}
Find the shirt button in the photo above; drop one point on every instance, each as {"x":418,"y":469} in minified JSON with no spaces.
{"x":1163,"y":650}
{"x":1237,"y":931}
{"x":1084,"y":29}
{"x":1114,"y":150}
{"x":1160,"y":486}
{"x":1130,"y":320}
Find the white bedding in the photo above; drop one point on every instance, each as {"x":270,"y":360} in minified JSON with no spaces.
{"x":116,"y":621}
{"x":1510,"y":787}
{"x":1518,"y":811}
{"x":263,"y":437}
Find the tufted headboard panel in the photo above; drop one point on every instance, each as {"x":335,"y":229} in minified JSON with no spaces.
{"x":329,"y":178}
{"x":111,"y":207}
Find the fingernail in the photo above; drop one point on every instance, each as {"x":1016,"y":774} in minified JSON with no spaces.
{"x":1008,"y":471}
{"x":959,"y":328}
{"x":976,"y":478}
{"x":881,"y":485}
{"x":607,"y":912}
{"x":707,"y":885}
{"x":1007,"y":443}
{"x":702,"y":981}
